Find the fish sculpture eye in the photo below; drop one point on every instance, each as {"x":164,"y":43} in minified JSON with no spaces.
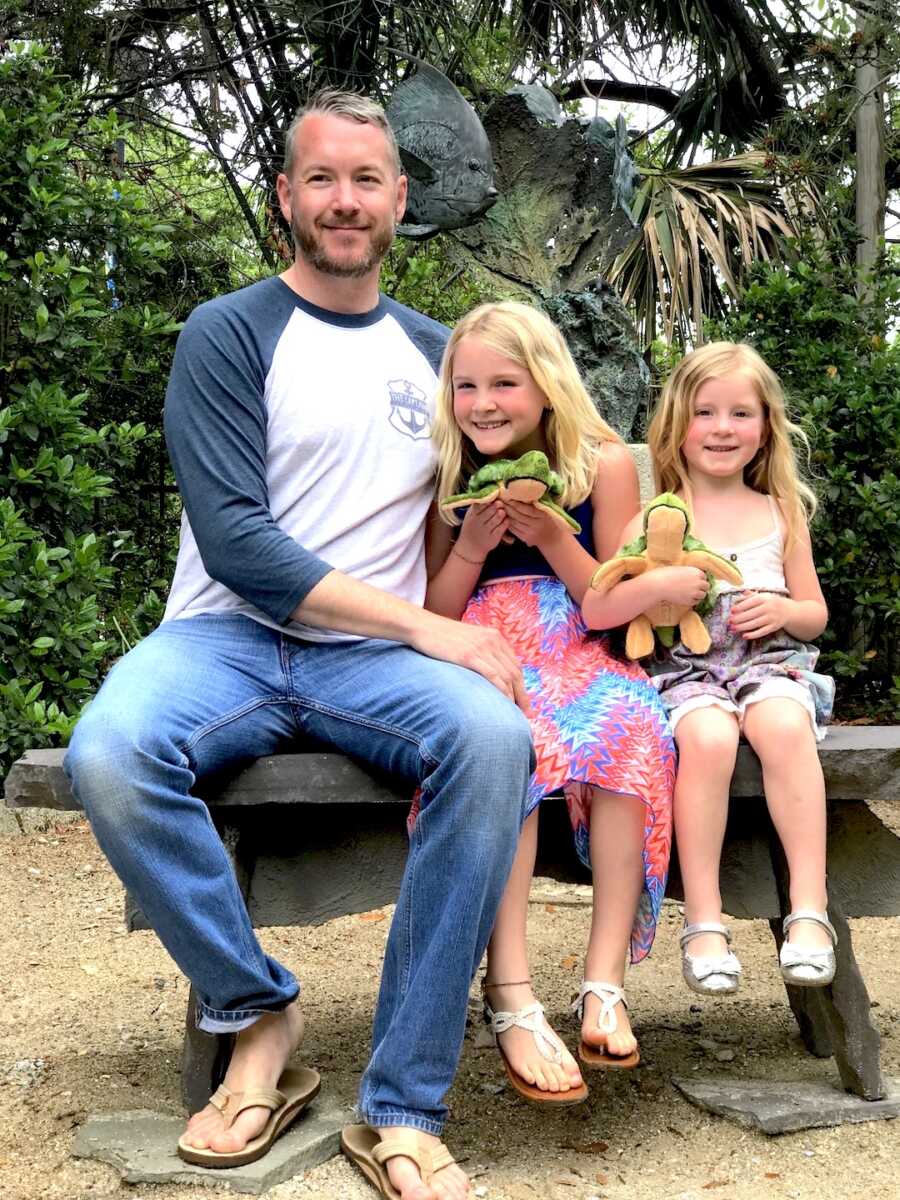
{"x":474,"y":164}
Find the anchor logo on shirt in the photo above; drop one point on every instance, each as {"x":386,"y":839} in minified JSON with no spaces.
{"x":409,"y":409}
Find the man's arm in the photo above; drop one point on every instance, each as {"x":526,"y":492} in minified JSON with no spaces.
{"x":215,"y":425}
{"x":340,"y":602}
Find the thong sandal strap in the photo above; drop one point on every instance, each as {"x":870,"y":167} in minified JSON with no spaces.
{"x":609,"y":995}
{"x":231,"y":1104}
{"x":405,"y":1145}
{"x":531,"y":1019}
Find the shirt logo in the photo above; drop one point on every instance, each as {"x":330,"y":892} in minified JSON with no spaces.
{"x":409,"y":409}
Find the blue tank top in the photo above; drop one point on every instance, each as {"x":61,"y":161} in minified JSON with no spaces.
{"x":516,"y":558}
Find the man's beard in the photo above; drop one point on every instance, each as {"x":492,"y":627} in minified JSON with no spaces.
{"x":308,"y":245}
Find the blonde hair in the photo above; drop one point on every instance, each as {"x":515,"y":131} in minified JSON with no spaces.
{"x":573,"y":429}
{"x":336,"y":103}
{"x":773,"y":470}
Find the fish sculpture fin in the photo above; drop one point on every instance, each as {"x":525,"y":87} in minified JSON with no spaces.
{"x":418,"y":231}
{"x":415,"y":166}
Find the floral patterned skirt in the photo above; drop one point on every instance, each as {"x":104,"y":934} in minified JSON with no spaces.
{"x":596,"y":722}
{"x":734,"y":668}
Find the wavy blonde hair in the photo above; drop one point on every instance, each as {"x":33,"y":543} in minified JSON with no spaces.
{"x":773,"y":470}
{"x":573,"y":429}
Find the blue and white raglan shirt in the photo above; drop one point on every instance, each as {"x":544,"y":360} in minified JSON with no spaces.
{"x":301,"y":442}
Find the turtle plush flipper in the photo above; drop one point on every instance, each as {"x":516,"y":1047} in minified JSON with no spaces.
{"x":694,"y":633}
{"x":560,"y":513}
{"x":713,"y":564}
{"x":614,"y":570}
{"x":478,"y":496}
{"x":639,"y":638}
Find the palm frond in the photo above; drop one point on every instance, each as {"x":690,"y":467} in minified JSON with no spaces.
{"x":698,"y":231}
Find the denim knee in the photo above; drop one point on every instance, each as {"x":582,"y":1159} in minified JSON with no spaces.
{"x":112,"y":765}
{"x":492,"y":759}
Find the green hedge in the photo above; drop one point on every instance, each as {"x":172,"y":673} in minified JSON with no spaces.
{"x":72,"y":359}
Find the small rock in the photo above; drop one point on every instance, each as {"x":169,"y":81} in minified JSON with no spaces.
{"x":26,"y":1072}
{"x":724,"y":1055}
{"x":481,"y":1191}
{"x":708,"y":1044}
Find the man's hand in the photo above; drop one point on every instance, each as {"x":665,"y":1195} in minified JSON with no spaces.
{"x":759,"y":614}
{"x":533,"y":524}
{"x":479,"y":648}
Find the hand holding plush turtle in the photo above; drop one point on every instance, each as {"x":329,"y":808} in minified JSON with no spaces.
{"x":665,"y":542}
{"x":528,"y":479}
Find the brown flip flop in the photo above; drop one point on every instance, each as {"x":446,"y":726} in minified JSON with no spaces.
{"x":598,"y":1055}
{"x":367,"y":1150}
{"x":296,"y":1088}
{"x":530,"y":1018}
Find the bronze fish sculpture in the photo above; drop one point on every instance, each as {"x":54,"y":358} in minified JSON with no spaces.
{"x":445,"y":153}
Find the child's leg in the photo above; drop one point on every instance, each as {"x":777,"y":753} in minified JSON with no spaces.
{"x":508,"y":982}
{"x":707,"y":740}
{"x":616,"y":840}
{"x":779,"y":731}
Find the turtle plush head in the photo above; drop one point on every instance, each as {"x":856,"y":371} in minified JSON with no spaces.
{"x":529,"y":479}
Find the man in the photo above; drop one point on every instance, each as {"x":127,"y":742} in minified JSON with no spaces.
{"x":297,"y":419}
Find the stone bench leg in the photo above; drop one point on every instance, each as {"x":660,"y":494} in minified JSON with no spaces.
{"x":205,"y":1057}
{"x":836,"y":1019}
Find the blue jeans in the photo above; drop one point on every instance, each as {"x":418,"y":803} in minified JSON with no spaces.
{"x":211,"y":692}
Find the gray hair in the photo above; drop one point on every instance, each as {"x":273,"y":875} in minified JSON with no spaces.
{"x":336,"y":103}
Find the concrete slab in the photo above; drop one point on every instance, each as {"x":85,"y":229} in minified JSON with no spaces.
{"x":141,"y":1145}
{"x":782,"y":1106}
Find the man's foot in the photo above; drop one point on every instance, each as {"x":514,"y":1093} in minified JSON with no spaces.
{"x":522,"y":1049}
{"x":621,"y":1042}
{"x":449,"y":1183}
{"x":261,"y":1053}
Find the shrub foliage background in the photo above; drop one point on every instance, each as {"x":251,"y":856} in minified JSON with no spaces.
{"x":72,"y":364}
{"x":828,"y":344}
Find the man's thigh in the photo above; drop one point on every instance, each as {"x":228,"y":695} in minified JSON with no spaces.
{"x":210,"y":688}
{"x":397,"y":709}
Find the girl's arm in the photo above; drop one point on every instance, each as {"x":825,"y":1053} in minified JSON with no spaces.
{"x":803,"y":614}
{"x":454,"y":567}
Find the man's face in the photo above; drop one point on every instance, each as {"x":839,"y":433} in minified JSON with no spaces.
{"x":343,"y":199}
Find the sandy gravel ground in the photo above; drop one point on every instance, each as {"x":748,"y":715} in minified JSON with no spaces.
{"x":92,"y":1021}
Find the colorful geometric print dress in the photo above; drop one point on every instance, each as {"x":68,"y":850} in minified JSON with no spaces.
{"x":596,"y":719}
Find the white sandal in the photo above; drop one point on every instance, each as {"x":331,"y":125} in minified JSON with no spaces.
{"x":592,"y":1054}
{"x":709,"y":976}
{"x":803,"y":966}
{"x":531,"y":1018}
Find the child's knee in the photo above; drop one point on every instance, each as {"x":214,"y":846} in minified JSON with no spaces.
{"x":707,"y":735}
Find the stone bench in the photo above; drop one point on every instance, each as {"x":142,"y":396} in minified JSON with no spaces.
{"x":314,"y":836}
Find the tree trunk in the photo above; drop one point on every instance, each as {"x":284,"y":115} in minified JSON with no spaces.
{"x":870,"y":163}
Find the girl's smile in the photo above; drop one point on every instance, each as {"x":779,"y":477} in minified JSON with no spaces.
{"x":496,"y":403}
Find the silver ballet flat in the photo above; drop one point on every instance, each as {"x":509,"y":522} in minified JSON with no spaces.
{"x":802,"y":966}
{"x":709,"y":976}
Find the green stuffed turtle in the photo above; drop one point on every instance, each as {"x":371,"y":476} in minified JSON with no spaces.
{"x":666,"y":542}
{"x":528,"y":479}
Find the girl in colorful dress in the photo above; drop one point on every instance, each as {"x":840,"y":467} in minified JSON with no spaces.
{"x":508,"y":385}
{"x":721,"y":440}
